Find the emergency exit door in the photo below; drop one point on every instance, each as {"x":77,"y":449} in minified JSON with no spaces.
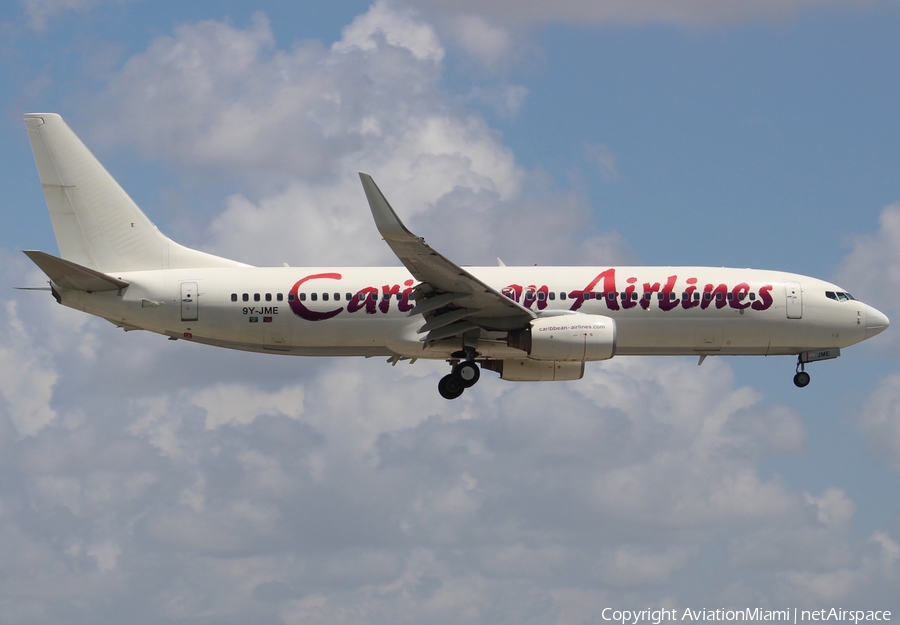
{"x":189,"y":301}
{"x":794,"y":299}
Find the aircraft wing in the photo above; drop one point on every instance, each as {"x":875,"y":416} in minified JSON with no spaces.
{"x":452,"y":300}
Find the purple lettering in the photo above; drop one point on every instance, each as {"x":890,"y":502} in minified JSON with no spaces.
{"x":302,"y":311}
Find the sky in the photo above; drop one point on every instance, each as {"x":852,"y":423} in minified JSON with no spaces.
{"x":150,"y":481}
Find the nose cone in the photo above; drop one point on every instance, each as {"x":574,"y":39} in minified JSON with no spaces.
{"x":876,"y":322}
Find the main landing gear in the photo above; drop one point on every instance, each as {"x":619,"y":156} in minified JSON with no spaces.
{"x":801,"y":378}
{"x":464,"y":375}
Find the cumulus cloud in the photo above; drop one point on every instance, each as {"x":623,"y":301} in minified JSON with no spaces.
{"x":308,"y":119}
{"x":880,"y":420}
{"x":197,"y":483}
{"x":872,"y":267}
{"x":41,"y":11}
{"x":27,"y":377}
{"x":243,"y":487}
{"x":680,"y":12}
{"x":483,"y":41}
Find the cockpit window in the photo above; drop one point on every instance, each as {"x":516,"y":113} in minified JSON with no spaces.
{"x":842,"y":297}
{"x":831,"y":295}
{"x":849,"y":296}
{"x":839,"y":296}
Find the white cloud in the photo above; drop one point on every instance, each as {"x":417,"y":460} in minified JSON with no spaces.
{"x":833,"y":508}
{"x":41,"y":11}
{"x":206,"y":484}
{"x":596,"y":12}
{"x":871,"y":270}
{"x":241,"y":404}
{"x":306,"y":120}
{"x":27,"y":376}
{"x":397,"y":27}
{"x":480,"y":39}
{"x":604,"y":160}
{"x":880,"y":419}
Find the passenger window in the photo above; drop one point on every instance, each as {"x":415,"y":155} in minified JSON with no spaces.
{"x":685,"y":297}
{"x":268,"y":297}
{"x":234,"y":297}
{"x":741,"y":296}
{"x":672,"y":297}
{"x":245,"y":297}
{"x":541,"y":296}
{"x":634,"y":297}
{"x":730,"y":297}
{"x":324,"y":297}
{"x":562,"y":295}
{"x":337,"y":297}
{"x":291,"y":297}
{"x":718,"y":297}
{"x":696,"y":297}
{"x":374,"y":297}
{"x":313,"y":296}
{"x":752,"y":296}
{"x":256,"y":297}
{"x":280,"y":297}
{"x":707,"y":296}
{"x":551,"y":295}
{"x":611,"y":296}
{"x":302,"y":297}
{"x":659,"y":296}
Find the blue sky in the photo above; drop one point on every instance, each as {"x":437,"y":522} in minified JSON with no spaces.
{"x":186,"y":484}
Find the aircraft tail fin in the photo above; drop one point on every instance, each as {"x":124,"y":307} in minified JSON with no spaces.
{"x":97,"y":225}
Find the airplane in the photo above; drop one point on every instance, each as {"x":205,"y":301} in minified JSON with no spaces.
{"x":524,"y":323}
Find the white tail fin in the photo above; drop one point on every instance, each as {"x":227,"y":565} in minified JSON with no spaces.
{"x":96,"y":224}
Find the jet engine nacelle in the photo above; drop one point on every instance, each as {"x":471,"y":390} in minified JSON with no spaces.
{"x":535,"y":370}
{"x":577,"y":338}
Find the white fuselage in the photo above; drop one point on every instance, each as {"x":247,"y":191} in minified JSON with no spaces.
{"x":329,"y":311}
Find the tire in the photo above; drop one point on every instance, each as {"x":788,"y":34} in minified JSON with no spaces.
{"x":801,"y":379}
{"x":451,"y":386}
{"x":468,"y":372}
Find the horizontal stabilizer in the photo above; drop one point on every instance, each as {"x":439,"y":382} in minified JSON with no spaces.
{"x":68,"y":275}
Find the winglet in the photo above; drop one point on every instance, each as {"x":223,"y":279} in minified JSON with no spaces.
{"x":386,"y":220}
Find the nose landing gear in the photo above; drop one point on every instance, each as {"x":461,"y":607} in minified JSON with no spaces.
{"x":464,"y":375}
{"x":801,"y":378}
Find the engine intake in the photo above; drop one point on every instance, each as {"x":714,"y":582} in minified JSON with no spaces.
{"x":577,"y":338}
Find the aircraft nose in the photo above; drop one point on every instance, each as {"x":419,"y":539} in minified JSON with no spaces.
{"x":876,"y":322}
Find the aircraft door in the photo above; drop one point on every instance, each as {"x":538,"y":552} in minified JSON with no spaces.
{"x":794,"y":298}
{"x":189,"y":301}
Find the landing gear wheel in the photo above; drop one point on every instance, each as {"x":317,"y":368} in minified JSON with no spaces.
{"x":801,"y":379}
{"x":451,"y":386}
{"x":468,"y":372}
